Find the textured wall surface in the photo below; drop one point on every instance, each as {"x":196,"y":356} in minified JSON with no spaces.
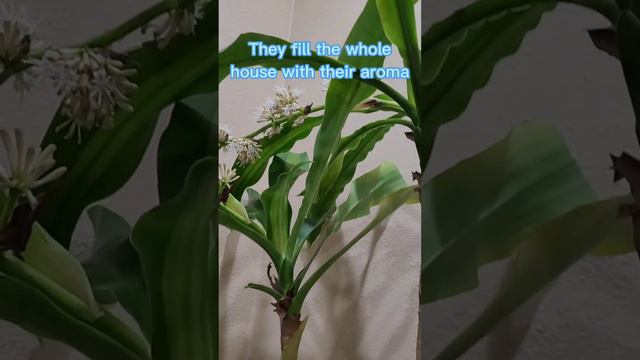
{"x":558,"y":76}
{"x":366,"y":306}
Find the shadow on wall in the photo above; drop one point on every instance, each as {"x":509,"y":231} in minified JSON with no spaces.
{"x":340,"y":323}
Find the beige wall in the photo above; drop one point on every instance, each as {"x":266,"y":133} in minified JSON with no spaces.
{"x":366,"y":306}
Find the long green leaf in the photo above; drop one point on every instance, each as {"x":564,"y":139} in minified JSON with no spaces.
{"x":114,"y":267}
{"x":341,"y":97}
{"x":352,"y":150}
{"x":399,"y":24}
{"x":41,"y":306}
{"x":267,"y":290}
{"x":47,"y":256}
{"x":544,"y":253}
{"x":107,"y":158}
{"x":190,"y":136}
{"x":460,"y":53}
{"x":178,"y":252}
{"x":368,"y":29}
{"x":472,"y":212}
{"x":276,"y":197}
{"x":367,"y":191}
{"x":233,"y":221}
{"x":387,"y":207}
{"x":480,"y":10}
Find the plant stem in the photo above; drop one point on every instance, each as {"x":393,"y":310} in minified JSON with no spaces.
{"x":10,"y":204}
{"x":106,"y":38}
{"x":289,"y":325}
{"x":282,"y":120}
{"x":130,"y":25}
{"x":396,"y":96}
{"x":385,"y":106}
{"x":291,"y":330}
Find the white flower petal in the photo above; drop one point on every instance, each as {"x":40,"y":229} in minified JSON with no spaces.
{"x":55,"y":174}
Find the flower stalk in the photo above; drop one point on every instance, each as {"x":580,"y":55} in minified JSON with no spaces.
{"x":9,"y":205}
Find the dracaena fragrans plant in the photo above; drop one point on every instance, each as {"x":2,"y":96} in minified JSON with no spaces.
{"x":266,"y":217}
{"x":524,"y":199}
{"x":459,"y":54}
{"x":110,"y":101}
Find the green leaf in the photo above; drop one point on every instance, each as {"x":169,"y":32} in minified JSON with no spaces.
{"x":368,"y":29}
{"x":544,"y":253}
{"x":399,"y":27}
{"x":460,"y":53}
{"x":267,"y":290}
{"x":472,"y":212}
{"x":255,"y":207}
{"x":284,"y":172}
{"x":284,"y":163}
{"x":342,"y":96}
{"x":628,"y":31}
{"x":367,"y":191}
{"x":43,"y":307}
{"x":190,"y":136}
{"x":352,"y":150}
{"x":399,"y":24}
{"x":388,"y":206}
{"x":114,"y":267}
{"x":280,"y":143}
{"x":48,"y":257}
{"x":177,"y":247}
{"x":107,"y":158}
{"x":236,"y":206}
{"x":233,"y":221}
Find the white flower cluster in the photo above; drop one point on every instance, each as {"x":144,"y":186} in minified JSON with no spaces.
{"x":29,"y":167}
{"x":94,"y":83}
{"x":18,"y":37}
{"x":180,"y":21}
{"x":248,"y":150}
{"x":226,"y":175}
{"x":285,"y":103}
